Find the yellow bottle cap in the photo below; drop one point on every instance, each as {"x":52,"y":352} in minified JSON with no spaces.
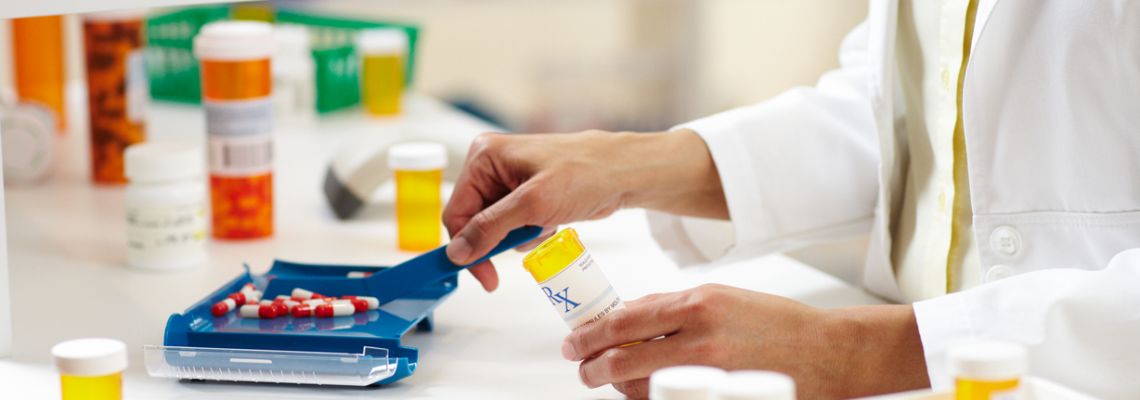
{"x":553,"y":255}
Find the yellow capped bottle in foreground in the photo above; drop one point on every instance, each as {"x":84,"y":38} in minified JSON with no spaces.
{"x":570,"y":280}
{"x":988,"y":371}
{"x":91,"y":369}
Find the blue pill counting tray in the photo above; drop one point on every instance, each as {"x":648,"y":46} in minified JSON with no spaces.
{"x":359,"y":350}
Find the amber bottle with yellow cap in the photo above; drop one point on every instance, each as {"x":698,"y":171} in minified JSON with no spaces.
{"x":575,"y":286}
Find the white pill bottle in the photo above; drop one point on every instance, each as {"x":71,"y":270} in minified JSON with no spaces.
{"x":166,"y":206}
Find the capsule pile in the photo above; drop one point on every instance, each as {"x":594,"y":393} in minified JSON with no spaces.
{"x":302,"y":303}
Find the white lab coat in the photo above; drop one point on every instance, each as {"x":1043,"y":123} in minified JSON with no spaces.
{"x":1051,"y":110}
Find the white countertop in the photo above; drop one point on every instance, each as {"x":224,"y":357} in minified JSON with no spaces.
{"x":67,"y":246}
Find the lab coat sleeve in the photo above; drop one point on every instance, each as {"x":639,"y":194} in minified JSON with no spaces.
{"x":797,"y":169}
{"x":1082,"y":328}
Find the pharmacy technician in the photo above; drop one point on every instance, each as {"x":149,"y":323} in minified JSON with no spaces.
{"x":991,"y":149}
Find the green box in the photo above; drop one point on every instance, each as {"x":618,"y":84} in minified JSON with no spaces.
{"x":170,"y":64}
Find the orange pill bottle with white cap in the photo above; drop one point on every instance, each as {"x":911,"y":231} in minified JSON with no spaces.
{"x":236,"y":86}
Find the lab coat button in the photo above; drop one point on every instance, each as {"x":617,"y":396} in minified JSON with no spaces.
{"x":1005,"y":241}
{"x":998,"y":272}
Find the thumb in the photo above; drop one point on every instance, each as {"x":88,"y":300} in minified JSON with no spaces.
{"x":487,"y":228}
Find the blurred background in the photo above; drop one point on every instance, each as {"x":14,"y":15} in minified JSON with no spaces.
{"x":556,"y":66}
{"x":548,"y":65}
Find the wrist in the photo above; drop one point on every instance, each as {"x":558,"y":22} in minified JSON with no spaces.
{"x":879,"y":349}
{"x":669,"y":171}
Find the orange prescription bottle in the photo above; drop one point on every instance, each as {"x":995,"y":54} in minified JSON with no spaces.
{"x":382,"y":53}
{"x":37,"y":49}
{"x":987,"y":370}
{"x":116,"y":89}
{"x":91,"y":369}
{"x":419,"y":203}
{"x":236,"y":94}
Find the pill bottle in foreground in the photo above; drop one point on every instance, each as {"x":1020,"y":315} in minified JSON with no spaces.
{"x":166,"y":206}
{"x":418,"y":167}
{"x":236,"y":94}
{"x":117,"y":95}
{"x":987,"y":370}
{"x":91,"y":369}
{"x":570,"y":280}
{"x":755,"y":385}
{"x":684,"y":382}
{"x":382,"y":57}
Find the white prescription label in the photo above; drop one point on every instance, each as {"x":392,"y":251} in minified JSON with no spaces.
{"x":240,"y":137}
{"x":164,"y":232}
{"x":581,"y":293}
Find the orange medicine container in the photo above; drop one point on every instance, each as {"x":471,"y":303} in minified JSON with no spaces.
{"x":236,"y":93}
{"x":116,"y":89}
{"x":38,"y":55}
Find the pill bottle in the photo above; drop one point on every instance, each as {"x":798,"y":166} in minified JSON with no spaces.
{"x":570,"y":280}
{"x":382,"y":54}
{"x":755,"y":385}
{"x":418,"y":167}
{"x":684,"y":382}
{"x":117,"y":95}
{"x":166,"y":206}
{"x":91,"y":369}
{"x":38,"y":64}
{"x":987,"y":370}
{"x":294,"y":79}
{"x":236,"y":94}
{"x":29,"y":136}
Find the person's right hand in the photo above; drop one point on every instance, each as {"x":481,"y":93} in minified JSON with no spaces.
{"x":510,"y":181}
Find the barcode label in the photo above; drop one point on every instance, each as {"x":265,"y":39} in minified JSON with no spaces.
{"x":241,"y":155}
{"x":240,"y":136}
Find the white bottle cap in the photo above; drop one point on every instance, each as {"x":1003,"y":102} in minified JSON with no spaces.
{"x":687,"y":382}
{"x":234,"y":41}
{"x":755,"y":385}
{"x":164,"y":161}
{"x":90,"y":357}
{"x":28,"y":132}
{"x":417,"y":156}
{"x":988,"y":361}
{"x":382,"y":41}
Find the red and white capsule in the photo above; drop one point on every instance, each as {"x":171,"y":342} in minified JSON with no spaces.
{"x":358,"y":274}
{"x":373,"y":303}
{"x":258,"y":311}
{"x":302,"y":294}
{"x":334,"y":310}
{"x":222,"y":307}
{"x":302,"y":310}
{"x":251,"y":296}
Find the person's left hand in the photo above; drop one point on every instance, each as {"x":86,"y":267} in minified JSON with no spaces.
{"x":839,"y":353}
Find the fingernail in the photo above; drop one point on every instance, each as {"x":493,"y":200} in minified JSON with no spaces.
{"x":458,"y":250}
{"x":568,"y":351}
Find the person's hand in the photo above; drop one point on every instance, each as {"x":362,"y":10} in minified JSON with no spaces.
{"x":509,"y":181}
{"x":829,"y":353}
